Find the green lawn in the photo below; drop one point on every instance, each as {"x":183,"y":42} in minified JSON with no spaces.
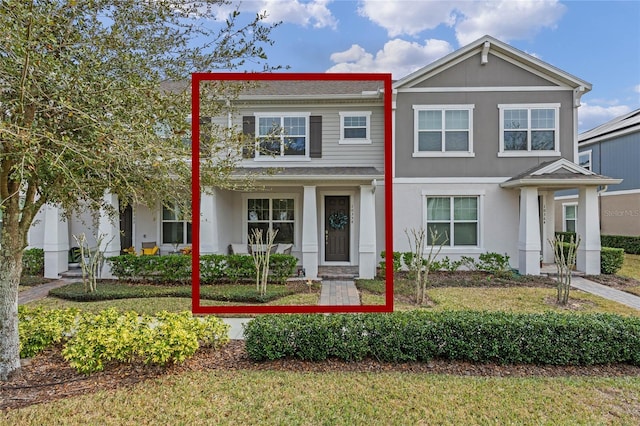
{"x":631,"y":266}
{"x":275,"y":398}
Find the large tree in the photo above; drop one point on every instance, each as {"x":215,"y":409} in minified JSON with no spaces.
{"x":83,"y":100}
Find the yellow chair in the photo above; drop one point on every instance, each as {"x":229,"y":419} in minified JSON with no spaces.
{"x":150,"y":249}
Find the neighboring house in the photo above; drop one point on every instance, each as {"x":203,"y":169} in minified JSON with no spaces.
{"x":611,"y":149}
{"x":482,"y":140}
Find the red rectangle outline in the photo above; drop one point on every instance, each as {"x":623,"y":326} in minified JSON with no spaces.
{"x":196,"y":78}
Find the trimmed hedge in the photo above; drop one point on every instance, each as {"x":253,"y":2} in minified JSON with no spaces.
{"x":611,"y":260}
{"x":631,"y":245}
{"x":506,"y":338}
{"x":176,"y":269}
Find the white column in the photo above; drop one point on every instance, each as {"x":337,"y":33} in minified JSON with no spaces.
{"x":548,"y":226}
{"x":367,"y":240}
{"x":310,"y":232}
{"x":588,"y":228}
{"x":109,"y":230}
{"x":208,"y":223}
{"x":55,"y":242}
{"x":529,"y":233}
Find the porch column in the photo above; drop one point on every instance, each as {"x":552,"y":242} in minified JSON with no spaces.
{"x":208,"y":223}
{"x":548,"y":226}
{"x":109,"y":230}
{"x":529,"y":233}
{"x":55,"y":242}
{"x":310,"y":232}
{"x":367,"y":241}
{"x":588,"y":228}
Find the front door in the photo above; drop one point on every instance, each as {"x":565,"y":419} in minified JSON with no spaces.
{"x":126,"y":228}
{"x":337,"y":221}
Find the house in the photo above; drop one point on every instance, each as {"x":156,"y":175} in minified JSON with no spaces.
{"x":612,"y":149}
{"x":484,"y":137}
{"x":482,"y":140}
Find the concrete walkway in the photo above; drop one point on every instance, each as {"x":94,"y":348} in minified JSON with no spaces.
{"x":606,"y":292}
{"x":339,"y":292}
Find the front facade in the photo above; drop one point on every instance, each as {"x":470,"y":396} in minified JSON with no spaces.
{"x":611,"y":149}
{"x":482,"y":139}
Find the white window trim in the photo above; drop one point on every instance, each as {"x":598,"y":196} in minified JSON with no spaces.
{"x":564,"y":215}
{"x":442,"y":153}
{"x":282,"y":157}
{"x":159,"y":242}
{"x":297,"y":224}
{"x":530,"y":153}
{"x":450,"y":249}
{"x":590,"y":154}
{"x":355,"y":141}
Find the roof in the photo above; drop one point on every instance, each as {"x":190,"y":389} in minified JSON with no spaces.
{"x":311,"y":173}
{"x":619,"y":126}
{"x":488,"y":44}
{"x":558,"y":174}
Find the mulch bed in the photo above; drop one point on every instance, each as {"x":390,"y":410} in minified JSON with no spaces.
{"x":47,"y":377}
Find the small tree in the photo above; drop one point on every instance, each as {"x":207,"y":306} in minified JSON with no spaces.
{"x":565,"y":258}
{"x":261,"y":250}
{"x":419,"y":265}
{"x":91,"y":260}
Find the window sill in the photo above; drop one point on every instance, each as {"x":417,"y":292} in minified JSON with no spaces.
{"x":279,"y":159}
{"x":444,"y":154}
{"x":354,"y":142}
{"x":529,"y":154}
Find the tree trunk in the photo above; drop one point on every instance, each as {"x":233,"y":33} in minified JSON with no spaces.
{"x":10,"y":271}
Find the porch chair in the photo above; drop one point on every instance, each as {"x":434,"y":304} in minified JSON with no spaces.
{"x":150,"y":248}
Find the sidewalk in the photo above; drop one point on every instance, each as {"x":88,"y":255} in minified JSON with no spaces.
{"x":605,"y":292}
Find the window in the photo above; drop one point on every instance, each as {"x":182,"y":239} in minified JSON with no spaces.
{"x":569,"y":217}
{"x":282,"y":136}
{"x":455,"y":217}
{"x":584,"y":159}
{"x":529,"y":130}
{"x":176,"y":229}
{"x":272,"y":213}
{"x":355,"y":127}
{"x":443,"y":130}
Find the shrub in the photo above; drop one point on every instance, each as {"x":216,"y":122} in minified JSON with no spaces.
{"x":631,"y":245}
{"x":611,"y":260}
{"x":494,"y":263}
{"x":113,"y":337}
{"x":507,"y":338}
{"x":33,"y":262}
{"x":281,"y":267}
{"x":212,"y":267}
{"x":39,"y":329}
{"x":397,"y":262}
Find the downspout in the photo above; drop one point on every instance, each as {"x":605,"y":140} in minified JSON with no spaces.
{"x":577,"y":94}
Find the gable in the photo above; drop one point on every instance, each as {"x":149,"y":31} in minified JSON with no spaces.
{"x":497,"y":72}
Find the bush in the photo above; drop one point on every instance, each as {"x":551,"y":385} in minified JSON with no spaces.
{"x":33,"y":262}
{"x":507,"y":338}
{"x":40,"y":329}
{"x":631,"y":245}
{"x":611,"y":260}
{"x":176,"y":269}
{"x":112,"y":337}
{"x":397,"y":262}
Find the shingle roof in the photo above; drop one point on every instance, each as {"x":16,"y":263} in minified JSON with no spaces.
{"x":619,"y":126}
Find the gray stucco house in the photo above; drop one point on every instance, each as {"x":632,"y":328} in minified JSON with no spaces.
{"x":482,"y":139}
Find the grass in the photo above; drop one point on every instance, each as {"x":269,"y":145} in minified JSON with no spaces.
{"x":631,"y":266}
{"x":273,"y":397}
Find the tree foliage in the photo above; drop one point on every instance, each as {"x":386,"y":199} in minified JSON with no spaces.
{"x":86,"y":107}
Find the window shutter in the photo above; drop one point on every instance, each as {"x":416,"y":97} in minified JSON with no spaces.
{"x":315,"y":136}
{"x":248,"y":130}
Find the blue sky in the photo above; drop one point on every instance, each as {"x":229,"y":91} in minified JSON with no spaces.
{"x":597,"y":41}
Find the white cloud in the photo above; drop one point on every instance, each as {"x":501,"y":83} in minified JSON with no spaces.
{"x":407,"y":17}
{"x":591,"y":115}
{"x":505,"y":19}
{"x":398,"y":56}
{"x":636,"y":88}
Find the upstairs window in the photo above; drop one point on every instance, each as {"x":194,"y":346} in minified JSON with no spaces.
{"x":443,"y":130}
{"x":529,"y":130}
{"x":355,"y":127}
{"x":282,"y":135}
{"x":584,"y":159}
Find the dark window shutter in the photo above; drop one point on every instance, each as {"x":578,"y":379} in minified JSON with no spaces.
{"x":248,"y":130}
{"x":315,"y":136}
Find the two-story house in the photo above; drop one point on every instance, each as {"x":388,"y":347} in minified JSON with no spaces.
{"x":612,"y":149}
{"x":482,"y":139}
